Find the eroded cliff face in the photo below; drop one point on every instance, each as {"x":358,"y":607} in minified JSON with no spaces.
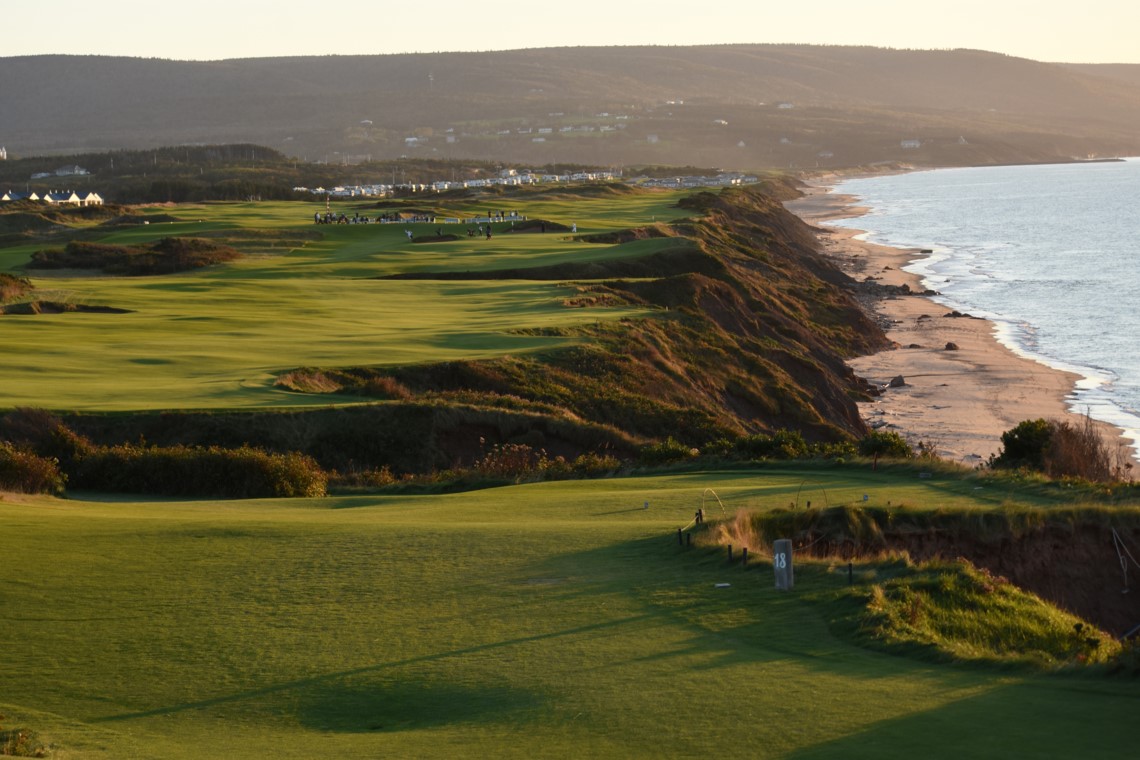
{"x":1071,"y":563}
{"x":750,"y":334}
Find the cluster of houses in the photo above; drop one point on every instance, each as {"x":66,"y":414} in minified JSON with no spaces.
{"x":56,"y":198}
{"x":507,"y":178}
{"x":510,"y":177}
{"x":674,"y":183}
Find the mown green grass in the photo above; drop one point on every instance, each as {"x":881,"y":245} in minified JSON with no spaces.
{"x":217,"y":337}
{"x":546,"y":620}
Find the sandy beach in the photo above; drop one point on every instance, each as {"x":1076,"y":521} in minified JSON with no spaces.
{"x":959,"y":399}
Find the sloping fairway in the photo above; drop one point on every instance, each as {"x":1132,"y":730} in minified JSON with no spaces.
{"x":550,"y":620}
{"x":215,"y":338}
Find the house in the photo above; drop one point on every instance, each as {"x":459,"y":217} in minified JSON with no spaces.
{"x":3,"y":153}
{"x":62,"y":198}
{"x":71,"y":171}
{"x":14,"y":196}
{"x":91,"y":199}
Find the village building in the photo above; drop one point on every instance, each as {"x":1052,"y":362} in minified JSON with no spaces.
{"x":14,"y":196}
{"x":56,"y":198}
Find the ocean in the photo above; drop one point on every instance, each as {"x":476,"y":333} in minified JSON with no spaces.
{"x":1050,"y":254}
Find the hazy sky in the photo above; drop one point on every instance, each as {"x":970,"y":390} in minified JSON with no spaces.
{"x":1090,"y":31}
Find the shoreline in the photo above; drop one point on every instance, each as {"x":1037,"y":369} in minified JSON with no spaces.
{"x":959,"y":400}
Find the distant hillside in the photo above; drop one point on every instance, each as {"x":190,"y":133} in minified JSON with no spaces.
{"x":737,"y":106}
{"x":1128,"y":73}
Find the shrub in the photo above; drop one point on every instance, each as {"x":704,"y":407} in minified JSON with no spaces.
{"x":669,"y":450}
{"x":12,"y":287}
{"x":594,"y":465}
{"x":25,"y":472}
{"x":166,"y":256}
{"x":1079,"y":451}
{"x":1061,"y":449}
{"x":241,"y":473}
{"x":511,"y":461}
{"x":20,"y":742}
{"x":1024,"y":445}
{"x":783,"y":444}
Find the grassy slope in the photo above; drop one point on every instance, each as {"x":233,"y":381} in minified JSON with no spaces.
{"x":213,"y":339}
{"x":544,"y":620}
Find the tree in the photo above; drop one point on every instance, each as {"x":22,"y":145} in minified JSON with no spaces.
{"x":884,"y":444}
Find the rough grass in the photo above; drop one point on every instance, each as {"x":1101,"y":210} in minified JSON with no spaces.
{"x":957,"y":612}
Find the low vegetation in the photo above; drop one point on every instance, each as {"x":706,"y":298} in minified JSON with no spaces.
{"x":241,"y":472}
{"x":1067,"y":555}
{"x":25,"y":472}
{"x":13,"y":287}
{"x":20,"y":742}
{"x":1063,"y":449}
{"x":166,"y":256}
{"x":947,"y":610}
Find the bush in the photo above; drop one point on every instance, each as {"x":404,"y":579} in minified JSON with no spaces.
{"x":25,"y":472}
{"x":783,"y":444}
{"x":667,"y":451}
{"x":1061,"y":449}
{"x":593,"y":465}
{"x":511,"y":461}
{"x":166,"y":256}
{"x":20,"y":742}
{"x":12,"y":287}
{"x":1024,"y":445}
{"x":241,"y":473}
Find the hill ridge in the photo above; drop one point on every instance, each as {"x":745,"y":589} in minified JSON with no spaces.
{"x":849,"y":105}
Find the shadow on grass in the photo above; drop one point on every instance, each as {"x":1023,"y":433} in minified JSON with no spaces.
{"x":1003,"y":722}
{"x":333,"y":682}
{"x":353,"y":707}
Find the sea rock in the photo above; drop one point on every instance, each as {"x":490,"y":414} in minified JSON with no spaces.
{"x":951,"y":346}
{"x":898,"y":381}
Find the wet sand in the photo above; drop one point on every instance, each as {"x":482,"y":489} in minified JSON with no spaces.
{"x":958,"y":400}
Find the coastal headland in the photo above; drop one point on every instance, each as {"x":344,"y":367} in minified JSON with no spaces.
{"x":956,"y":387}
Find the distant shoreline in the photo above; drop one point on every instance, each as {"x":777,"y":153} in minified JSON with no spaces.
{"x":957,"y":400}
